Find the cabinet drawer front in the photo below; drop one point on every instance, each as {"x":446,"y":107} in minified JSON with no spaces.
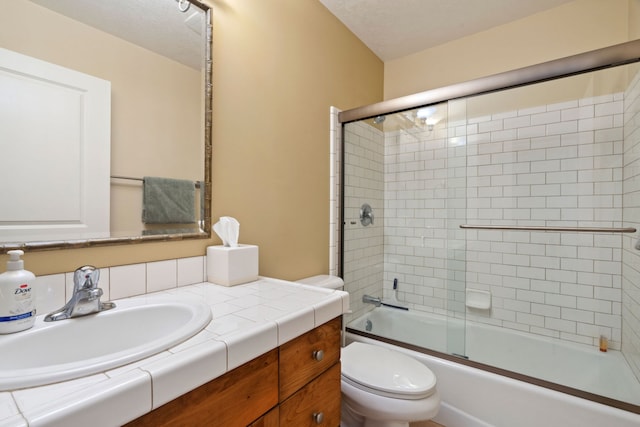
{"x":307,"y":356}
{"x":317,"y":404}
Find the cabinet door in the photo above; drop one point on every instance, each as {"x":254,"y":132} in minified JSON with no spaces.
{"x":316,"y":404}
{"x":304,"y":358}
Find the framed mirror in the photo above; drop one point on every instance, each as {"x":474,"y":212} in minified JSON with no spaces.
{"x":131,"y":148}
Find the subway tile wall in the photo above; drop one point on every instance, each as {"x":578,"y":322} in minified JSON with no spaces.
{"x":363,"y":255}
{"x":631,"y":213}
{"x":554,"y":165}
{"x":558,"y":164}
{"x":425,"y":196}
{"x":335,"y":141}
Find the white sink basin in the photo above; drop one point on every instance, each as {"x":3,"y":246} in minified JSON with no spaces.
{"x":66,"y":349}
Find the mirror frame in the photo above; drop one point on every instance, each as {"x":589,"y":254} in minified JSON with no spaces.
{"x":206,"y":234}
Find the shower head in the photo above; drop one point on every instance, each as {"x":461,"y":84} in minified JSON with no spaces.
{"x":378,"y":119}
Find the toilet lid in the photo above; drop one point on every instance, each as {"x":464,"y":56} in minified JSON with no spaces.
{"x":386,"y":372}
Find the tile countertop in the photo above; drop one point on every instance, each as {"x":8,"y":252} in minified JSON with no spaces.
{"x":248,"y":320}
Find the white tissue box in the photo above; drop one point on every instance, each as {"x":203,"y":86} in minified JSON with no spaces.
{"x":229,"y":266}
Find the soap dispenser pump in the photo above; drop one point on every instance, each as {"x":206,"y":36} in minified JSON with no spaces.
{"x":17,"y":299}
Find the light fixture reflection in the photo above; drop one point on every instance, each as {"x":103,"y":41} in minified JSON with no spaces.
{"x":183,"y":5}
{"x":427,"y":117}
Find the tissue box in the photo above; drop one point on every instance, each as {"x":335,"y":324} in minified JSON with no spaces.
{"x":229,"y":266}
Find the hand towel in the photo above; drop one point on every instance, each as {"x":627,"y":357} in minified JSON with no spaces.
{"x":168,"y":201}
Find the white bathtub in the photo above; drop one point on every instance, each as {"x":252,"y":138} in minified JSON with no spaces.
{"x":474,"y":398}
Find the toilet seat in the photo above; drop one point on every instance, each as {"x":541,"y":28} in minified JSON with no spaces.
{"x":386,"y":372}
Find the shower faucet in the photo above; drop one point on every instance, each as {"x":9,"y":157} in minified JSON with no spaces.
{"x":372,"y":300}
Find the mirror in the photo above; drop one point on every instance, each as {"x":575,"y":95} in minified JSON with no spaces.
{"x":155,"y":56}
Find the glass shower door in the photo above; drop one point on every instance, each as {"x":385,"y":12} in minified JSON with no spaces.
{"x":456,"y":212}
{"x":410,"y":168}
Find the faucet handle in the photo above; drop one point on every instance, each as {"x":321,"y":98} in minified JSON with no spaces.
{"x":86,"y":277}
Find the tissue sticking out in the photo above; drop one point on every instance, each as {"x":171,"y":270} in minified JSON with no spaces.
{"x":228,"y":229}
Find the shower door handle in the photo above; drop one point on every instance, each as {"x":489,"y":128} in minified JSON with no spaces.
{"x":366,"y":215}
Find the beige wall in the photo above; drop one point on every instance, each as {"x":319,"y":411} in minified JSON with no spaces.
{"x":634,"y":19}
{"x":575,"y":27}
{"x":278,"y":67}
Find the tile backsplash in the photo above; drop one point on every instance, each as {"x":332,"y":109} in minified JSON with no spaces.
{"x":53,"y":291}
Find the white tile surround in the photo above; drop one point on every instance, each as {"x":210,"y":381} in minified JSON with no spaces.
{"x":123,"y":281}
{"x":334,"y":189}
{"x":248,"y":320}
{"x":558,"y":164}
{"x":363,"y":255}
{"x":570,"y":163}
{"x":631,"y":214}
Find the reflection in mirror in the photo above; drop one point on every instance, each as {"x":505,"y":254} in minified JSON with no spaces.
{"x":108,"y":141}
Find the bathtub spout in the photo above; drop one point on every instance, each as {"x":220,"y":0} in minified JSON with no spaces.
{"x":372,"y":300}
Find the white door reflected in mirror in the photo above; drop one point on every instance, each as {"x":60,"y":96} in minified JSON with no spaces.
{"x":55,"y":144}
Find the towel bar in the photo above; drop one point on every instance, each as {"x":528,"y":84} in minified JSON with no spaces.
{"x":197,"y":184}
{"x":550,"y":228}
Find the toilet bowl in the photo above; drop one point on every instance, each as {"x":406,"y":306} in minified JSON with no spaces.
{"x":381,"y":387}
{"x":385,"y":388}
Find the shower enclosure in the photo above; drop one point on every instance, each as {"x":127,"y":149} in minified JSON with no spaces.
{"x":502,"y":214}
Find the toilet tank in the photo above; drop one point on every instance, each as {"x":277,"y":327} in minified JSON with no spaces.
{"x":323,"y":281}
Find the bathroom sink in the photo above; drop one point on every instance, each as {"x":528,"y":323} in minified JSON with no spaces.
{"x":67,"y":349}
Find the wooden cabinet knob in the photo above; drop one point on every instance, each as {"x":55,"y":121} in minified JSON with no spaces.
{"x":318,"y":355}
{"x":318,"y":417}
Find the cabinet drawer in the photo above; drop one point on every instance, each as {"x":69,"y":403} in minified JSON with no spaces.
{"x":304,"y":358}
{"x":316,"y":404}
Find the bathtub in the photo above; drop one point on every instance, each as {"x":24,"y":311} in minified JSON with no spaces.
{"x":478,"y":398}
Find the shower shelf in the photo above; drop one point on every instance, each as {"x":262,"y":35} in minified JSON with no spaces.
{"x":478,"y":299}
{"x":550,"y":228}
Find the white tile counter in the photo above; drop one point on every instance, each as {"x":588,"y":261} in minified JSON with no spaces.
{"x":248,"y":320}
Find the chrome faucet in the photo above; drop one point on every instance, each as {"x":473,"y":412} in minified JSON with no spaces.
{"x":86,"y":296}
{"x":372,"y":300}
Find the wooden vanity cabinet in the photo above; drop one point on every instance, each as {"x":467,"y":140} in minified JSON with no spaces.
{"x":237,"y":398}
{"x":316,"y":404}
{"x":270,"y":419}
{"x":295,"y":385}
{"x":310,"y":378}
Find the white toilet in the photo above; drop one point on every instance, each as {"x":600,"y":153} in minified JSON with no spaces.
{"x":381,"y":387}
{"x":385,"y":388}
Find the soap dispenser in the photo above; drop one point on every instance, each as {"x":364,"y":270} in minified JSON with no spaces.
{"x":17,"y":299}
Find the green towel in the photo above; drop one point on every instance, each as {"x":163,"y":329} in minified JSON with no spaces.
{"x":168,"y":201}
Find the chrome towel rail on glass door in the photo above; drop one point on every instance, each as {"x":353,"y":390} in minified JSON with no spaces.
{"x":551,"y":228}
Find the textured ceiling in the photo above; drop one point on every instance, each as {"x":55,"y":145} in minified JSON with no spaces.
{"x":156,"y":25}
{"x":390,"y":28}
{"x":396,"y":28}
